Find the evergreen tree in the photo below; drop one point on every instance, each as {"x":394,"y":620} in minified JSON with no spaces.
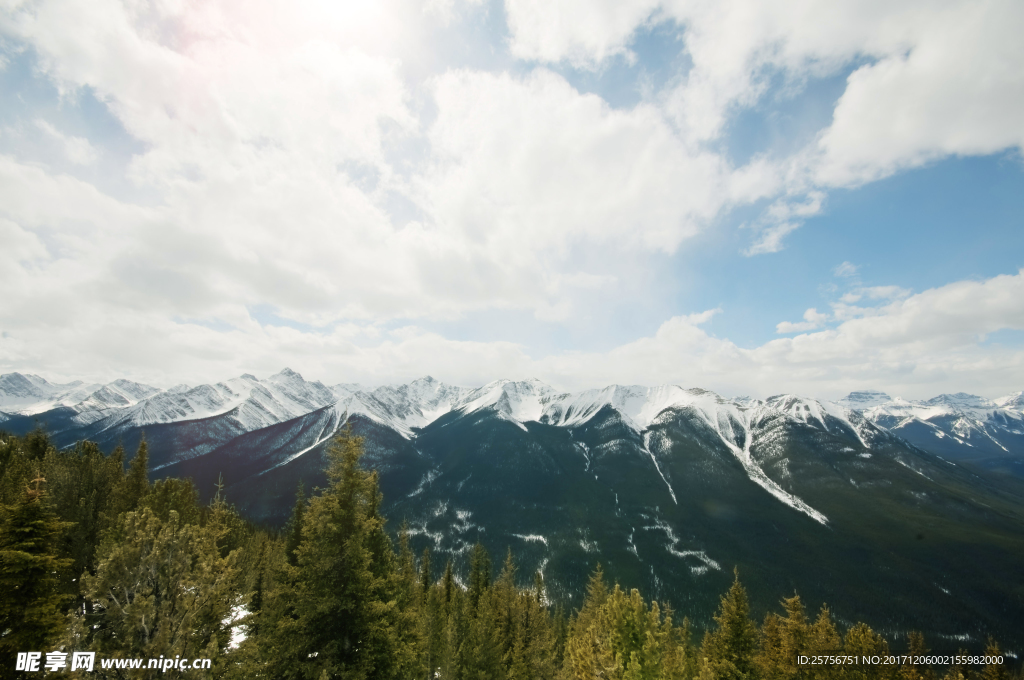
{"x":346,"y":586}
{"x":915,"y":647}
{"x":475,"y":637}
{"x":137,"y":480}
{"x":426,"y":574}
{"x":956,"y":671}
{"x":859,"y":641}
{"x":448,"y":587}
{"x":259,"y":591}
{"x":407,"y":567}
{"x":30,"y":598}
{"x":994,"y":671}
{"x":731,"y":647}
{"x":173,"y":495}
{"x":37,"y":443}
{"x":133,"y":487}
{"x":479,"y":574}
{"x":587,"y":650}
{"x":293,"y":531}
{"x":822,"y":638}
{"x":80,"y":485}
{"x":163,"y":589}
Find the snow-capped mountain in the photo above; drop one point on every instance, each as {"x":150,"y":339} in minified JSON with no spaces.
{"x":404,"y":408}
{"x":1013,"y":401}
{"x":668,"y":487}
{"x":31,"y":394}
{"x":279,"y":397}
{"x":961,"y":426}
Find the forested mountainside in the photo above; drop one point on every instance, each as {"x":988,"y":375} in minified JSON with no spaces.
{"x":668,"y":488}
{"x":97,"y":558}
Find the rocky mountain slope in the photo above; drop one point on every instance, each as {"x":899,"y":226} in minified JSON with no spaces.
{"x":875,"y":505}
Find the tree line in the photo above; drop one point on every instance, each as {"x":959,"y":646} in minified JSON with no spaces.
{"x":94,"y":557}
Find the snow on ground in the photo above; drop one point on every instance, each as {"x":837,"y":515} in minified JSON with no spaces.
{"x":532,"y":537}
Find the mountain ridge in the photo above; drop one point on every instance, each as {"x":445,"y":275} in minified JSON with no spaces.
{"x":668,"y":487}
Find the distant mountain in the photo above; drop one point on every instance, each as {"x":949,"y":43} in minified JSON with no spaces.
{"x":180,"y":422}
{"x":963,"y":427}
{"x":669,"y":489}
{"x":30,"y":393}
{"x":879,"y":506}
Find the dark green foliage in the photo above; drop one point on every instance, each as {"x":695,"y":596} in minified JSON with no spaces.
{"x":479,"y":574}
{"x":293,"y":531}
{"x":30,"y":598}
{"x":163,"y":589}
{"x":729,"y":650}
{"x":173,"y":495}
{"x":82,"y":482}
{"x":131,"y":487}
{"x":426,"y":577}
{"x":345,"y":586}
{"x":37,"y":443}
{"x":107,"y":562}
{"x":994,"y":671}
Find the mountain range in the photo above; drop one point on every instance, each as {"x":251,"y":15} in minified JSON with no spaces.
{"x":903,"y":514}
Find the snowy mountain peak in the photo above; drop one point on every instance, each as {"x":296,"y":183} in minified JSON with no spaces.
{"x":1013,"y":401}
{"x":961,"y":400}
{"x":30,"y":394}
{"x":522,"y":400}
{"x":809,"y":411}
{"x":285,"y":374}
{"x":865,"y":399}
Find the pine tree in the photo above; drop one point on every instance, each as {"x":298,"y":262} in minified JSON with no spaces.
{"x":37,"y":443}
{"x":137,"y":481}
{"x":80,"y":484}
{"x":30,"y":598}
{"x":426,"y":574}
{"x":915,"y":647}
{"x":731,"y":647}
{"x":859,"y":641}
{"x":956,"y":671}
{"x":994,"y":671}
{"x":406,"y":561}
{"x":259,"y":591}
{"x":293,"y":532}
{"x":771,"y":658}
{"x":588,"y":651}
{"x":163,"y":589}
{"x":347,"y":583}
{"x":822,"y":638}
{"x":448,"y":587}
{"x":477,"y":641}
{"x":133,"y":487}
{"x":479,"y":574}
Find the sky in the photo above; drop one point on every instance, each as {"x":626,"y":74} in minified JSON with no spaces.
{"x":746,"y":196}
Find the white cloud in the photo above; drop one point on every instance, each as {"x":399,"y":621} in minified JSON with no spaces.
{"x":812,"y":319}
{"x":77,"y":149}
{"x":957,"y":89}
{"x":943,"y":78}
{"x":301,"y":163}
{"x":531,"y":164}
{"x":846,"y":270}
{"x":918,"y":346}
{"x":885,"y":292}
{"x":583,"y":32}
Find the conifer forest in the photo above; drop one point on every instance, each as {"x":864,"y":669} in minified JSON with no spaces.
{"x":96,"y":557}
